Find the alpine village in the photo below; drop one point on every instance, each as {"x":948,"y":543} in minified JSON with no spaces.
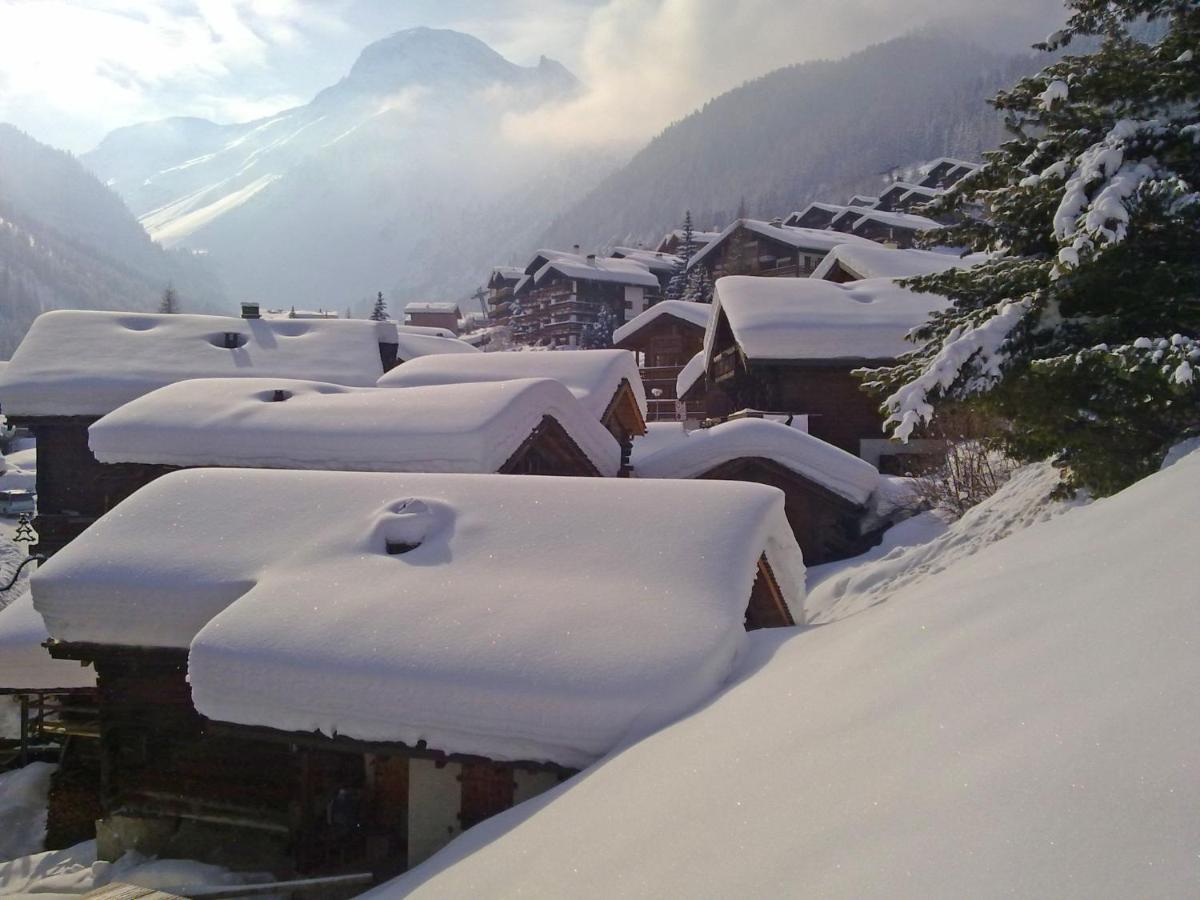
{"x":845,"y":549}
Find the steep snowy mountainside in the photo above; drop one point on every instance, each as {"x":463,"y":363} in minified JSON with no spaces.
{"x":1021,"y":722}
{"x":66,"y":241}
{"x":389,"y":179}
{"x":821,"y":130}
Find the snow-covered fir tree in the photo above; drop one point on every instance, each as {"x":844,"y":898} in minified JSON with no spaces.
{"x":598,"y":335}
{"x":677,"y":286}
{"x":699,"y":287}
{"x":1081,"y":332}
{"x":170,"y":300}
{"x":379,"y":310}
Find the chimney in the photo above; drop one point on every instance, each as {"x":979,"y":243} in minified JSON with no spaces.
{"x":250,"y":311}
{"x":591,"y":259}
{"x":576,"y":249}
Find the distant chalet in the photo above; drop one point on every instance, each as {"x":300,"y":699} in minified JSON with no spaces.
{"x":666,"y":337}
{"x":768,"y":249}
{"x":74,"y":367}
{"x":338,"y":669}
{"x":433,"y":315}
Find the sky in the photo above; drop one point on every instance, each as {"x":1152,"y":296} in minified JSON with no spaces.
{"x":72,"y":70}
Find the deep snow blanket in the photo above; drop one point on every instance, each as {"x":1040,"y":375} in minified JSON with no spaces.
{"x":593,"y":376}
{"x":23,"y":795}
{"x":704,"y":449}
{"x":523,"y":618}
{"x":684,"y":310}
{"x":289,"y":424}
{"x":796,"y":319}
{"x":84,"y":363}
{"x":1023,"y":723}
{"x":878,"y":261}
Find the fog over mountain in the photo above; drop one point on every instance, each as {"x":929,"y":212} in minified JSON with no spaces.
{"x":814,"y":131}
{"x":397,"y":178}
{"x":67,"y":242}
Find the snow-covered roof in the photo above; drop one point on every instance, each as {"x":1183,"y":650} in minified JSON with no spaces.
{"x":651,"y":259}
{"x":950,"y":161}
{"x":509,"y":273}
{"x":907,"y":221}
{"x":536,"y":618}
{"x":907,"y":187}
{"x":878,"y":261}
{"x":831,"y":208}
{"x":690,"y":374}
{"x":444,"y":428}
{"x":431,"y":307}
{"x":593,"y":376}
{"x":395,"y":329}
{"x":862,"y":200}
{"x":410,"y":346}
{"x":789,"y":319}
{"x":83,"y":363}
{"x":816,"y":239}
{"x":24,"y":662}
{"x":607,"y":269}
{"x":697,"y":314}
{"x":706,"y":448}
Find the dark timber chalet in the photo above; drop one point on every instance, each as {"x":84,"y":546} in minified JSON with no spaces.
{"x":896,"y":229}
{"x":232,"y":640}
{"x":827,"y":490}
{"x":530,"y":426}
{"x":767,"y":249}
{"x":433,"y":315}
{"x":606,"y":382}
{"x":74,"y":367}
{"x":500,"y":285}
{"x":791,"y":346}
{"x":665,"y":337}
{"x":564,"y":298}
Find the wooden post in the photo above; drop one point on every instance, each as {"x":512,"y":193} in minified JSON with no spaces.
{"x":24,"y":729}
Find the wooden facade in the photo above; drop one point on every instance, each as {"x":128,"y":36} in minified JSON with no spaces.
{"x":561,"y":311}
{"x":665,"y":346}
{"x":826,"y":525}
{"x":744,"y":251}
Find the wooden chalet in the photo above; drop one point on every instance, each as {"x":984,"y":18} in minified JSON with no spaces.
{"x":815,"y":215}
{"x":827,"y":490}
{"x":665,"y":337}
{"x":433,"y":315}
{"x":791,"y":347}
{"x":318,"y":678}
{"x":500,"y":287}
{"x":894,"y":229}
{"x":526,"y":427}
{"x":945,"y":172}
{"x":564,"y":297}
{"x":75,"y":366}
{"x":673,"y":240}
{"x":854,"y":262}
{"x":606,"y":382}
{"x":768,"y":249}
{"x":904,"y":196}
{"x":661,"y":265}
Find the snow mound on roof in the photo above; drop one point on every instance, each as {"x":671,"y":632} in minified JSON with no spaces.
{"x":443,"y":428}
{"x":82,"y":363}
{"x":607,"y":269}
{"x":803,"y":318}
{"x":410,"y":346}
{"x":692,"y":313}
{"x":1022,"y":723}
{"x":536,"y":618}
{"x":879,"y":261}
{"x":706,"y":448}
{"x":593,"y":376}
{"x":24,"y":662}
{"x":690,"y":374}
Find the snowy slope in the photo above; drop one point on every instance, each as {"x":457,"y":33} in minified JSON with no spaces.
{"x":1023,"y":723}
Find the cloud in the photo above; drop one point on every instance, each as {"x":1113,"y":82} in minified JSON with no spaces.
{"x":71,"y":69}
{"x":649,"y":62}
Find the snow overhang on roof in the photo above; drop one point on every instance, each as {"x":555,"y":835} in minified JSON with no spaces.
{"x":286,"y":424}
{"x":83,"y":363}
{"x":804,"y":319}
{"x":593,"y":376}
{"x":878,"y":261}
{"x":703,"y":449}
{"x":619,"y":271}
{"x":533,"y":618}
{"x":697,"y":314}
{"x":410,"y":346}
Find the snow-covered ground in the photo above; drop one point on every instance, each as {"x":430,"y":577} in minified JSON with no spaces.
{"x":1007,"y":706}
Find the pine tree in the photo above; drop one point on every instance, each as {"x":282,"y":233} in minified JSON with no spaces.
{"x":379,"y":310}
{"x":598,"y":335}
{"x":1081,"y":332}
{"x":679,"y":278}
{"x":170,"y":300}
{"x":699,"y":286}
